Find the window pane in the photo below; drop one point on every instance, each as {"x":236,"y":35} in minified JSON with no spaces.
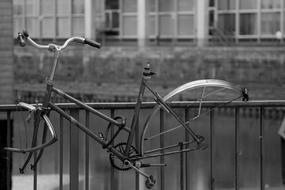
{"x":266,"y":4}
{"x":151,"y":5}
{"x":226,"y":4}
{"x":47,"y":7}
{"x":78,"y":26}
{"x":270,"y":23}
{"x":111,"y":4}
{"x":185,"y":25}
{"x":30,"y":8}
{"x":130,"y":6}
{"x":151,"y":25}
{"x":211,"y":3}
{"x":77,"y":7}
{"x":166,"y":5}
{"x":226,"y":23}
{"x":48,"y":30}
{"x":115,"y":20}
{"x":185,"y":5}
{"x":33,"y":26}
{"x":166,"y":25}
{"x":112,"y":19}
{"x":248,"y":24}
{"x":63,"y":27}
{"x":129,"y":25}
{"x":18,"y":7}
{"x":18,"y":24}
{"x":248,"y":4}
{"x":63,"y":7}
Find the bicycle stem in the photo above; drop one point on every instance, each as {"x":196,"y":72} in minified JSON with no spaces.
{"x":56,"y":57}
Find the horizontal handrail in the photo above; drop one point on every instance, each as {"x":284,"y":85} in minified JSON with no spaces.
{"x":178,"y":104}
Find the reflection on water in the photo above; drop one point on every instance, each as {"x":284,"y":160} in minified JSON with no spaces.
{"x":199,"y":162}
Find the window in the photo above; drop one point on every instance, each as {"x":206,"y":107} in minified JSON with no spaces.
{"x":226,"y":4}
{"x":49,"y":19}
{"x":226,"y":23}
{"x":129,"y":18}
{"x":248,"y":24}
{"x":272,"y":4}
{"x":171,"y":19}
{"x":251,"y":18}
{"x":270,"y":23}
{"x":248,"y":4}
{"x":121,"y":18}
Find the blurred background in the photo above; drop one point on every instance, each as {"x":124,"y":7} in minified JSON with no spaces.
{"x":240,"y":41}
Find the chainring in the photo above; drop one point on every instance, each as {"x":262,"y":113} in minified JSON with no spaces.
{"x":118,"y":163}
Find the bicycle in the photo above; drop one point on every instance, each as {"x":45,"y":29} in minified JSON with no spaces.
{"x":126,"y":155}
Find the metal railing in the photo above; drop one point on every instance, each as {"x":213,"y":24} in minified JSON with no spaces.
{"x":259,"y":110}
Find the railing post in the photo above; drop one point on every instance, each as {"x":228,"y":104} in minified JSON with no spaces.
{"x":60,"y":153}
{"x":187,"y":185}
{"x":74,"y":153}
{"x":35,"y":166}
{"x":86,"y":152}
{"x":236,"y":146}
{"x":181,"y":167}
{"x":162,"y":127}
{"x":114,"y":181}
{"x":212,"y":179}
{"x":261,"y":151}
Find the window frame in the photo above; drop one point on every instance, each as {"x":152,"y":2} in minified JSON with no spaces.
{"x":258,"y":11}
{"x":39,"y":17}
{"x":174,"y":14}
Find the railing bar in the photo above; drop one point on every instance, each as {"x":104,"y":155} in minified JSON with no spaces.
{"x":87,"y":152}
{"x":9,"y":154}
{"x":181,"y":168}
{"x":74,"y":153}
{"x":145,"y":105}
{"x":35,"y":168}
{"x":162,"y":160}
{"x":137,"y":145}
{"x":261,"y":151}
{"x":212,"y":182}
{"x":60,"y":152}
{"x":237,"y":116}
{"x":187,"y":139}
{"x":114,"y":184}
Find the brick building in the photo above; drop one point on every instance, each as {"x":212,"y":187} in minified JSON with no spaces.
{"x":6,"y":84}
{"x":6,"y":51}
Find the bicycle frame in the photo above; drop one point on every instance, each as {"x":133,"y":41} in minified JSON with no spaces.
{"x":133,"y":127}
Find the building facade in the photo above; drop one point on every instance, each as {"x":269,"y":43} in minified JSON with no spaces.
{"x":192,"y":20}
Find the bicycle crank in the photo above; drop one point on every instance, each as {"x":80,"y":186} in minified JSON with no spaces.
{"x":118,"y":163}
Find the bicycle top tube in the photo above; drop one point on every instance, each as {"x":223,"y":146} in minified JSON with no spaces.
{"x":23,"y":36}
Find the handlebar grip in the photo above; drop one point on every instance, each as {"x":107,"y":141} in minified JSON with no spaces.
{"x":92,"y":43}
{"x":21,"y":40}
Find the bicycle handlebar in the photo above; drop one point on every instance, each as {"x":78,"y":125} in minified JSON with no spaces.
{"x":23,"y":36}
